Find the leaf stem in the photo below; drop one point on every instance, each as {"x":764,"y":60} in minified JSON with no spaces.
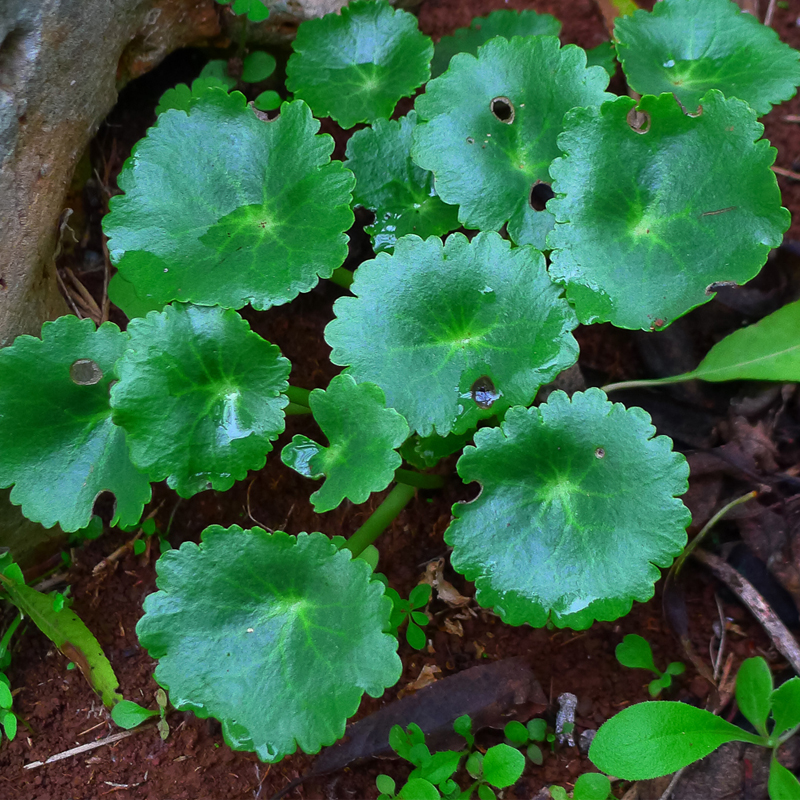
{"x":293,"y":409}
{"x":298,"y":396}
{"x":613,"y":387}
{"x":381,"y":518}
{"x":687,"y":551}
{"x":342,"y":277}
{"x":418,"y":479}
{"x":10,"y":631}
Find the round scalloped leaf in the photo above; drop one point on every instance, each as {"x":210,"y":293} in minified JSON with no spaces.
{"x":199,"y":395}
{"x":492,"y":128}
{"x":356,"y":65}
{"x":578,"y":509}
{"x":223,"y":208}
{"x":690,"y":46}
{"x":354,"y":465}
{"x":505,"y":22}
{"x":649,"y":217}
{"x":182,"y":97}
{"x":276,"y":636}
{"x":401,"y":195}
{"x":454,"y":333}
{"x":123,"y":295}
{"x":60,"y":447}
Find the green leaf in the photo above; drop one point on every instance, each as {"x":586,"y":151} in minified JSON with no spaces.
{"x":655,"y":687}
{"x":415,"y":636}
{"x":182,"y":97}
{"x":223,"y":208}
{"x":68,"y":633}
{"x":10,"y":725}
{"x":356,"y":65}
{"x":420,"y":595}
{"x":257,"y":66}
{"x":659,"y":737}
{"x":6,"y":700}
{"x":254,"y":10}
{"x":592,"y":786}
{"x":626,"y":197}
{"x":60,"y":448}
{"x":193,"y":415}
{"x":537,"y":729}
{"x":516,"y":732}
{"x":783,"y":785}
{"x":503,"y":765}
{"x":139,"y":547}
{"x":217,"y":69}
{"x":354,"y":465}
{"x":690,"y":46}
{"x":557,"y":533}
{"x":505,"y":23}
{"x":124,"y":297}
{"x":558,"y":793}
{"x":388,"y":183}
{"x":128,"y":714}
{"x":492,"y":128}
{"x":267,"y":101}
{"x":485,"y":793}
{"x":385,"y":784}
{"x":276,"y":636}
{"x":785,"y":703}
{"x":535,"y":754}
{"x":418,"y":789}
{"x":605,"y":56}
{"x":634,"y":652}
{"x":463,"y":727}
{"x":754,"y":691}
{"x":423,"y":452}
{"x":675,"y":668}
{"x":766,"y":351}
{"x":440,"y":766}
{"x":474,"y":761}
{"x":453,"y":333}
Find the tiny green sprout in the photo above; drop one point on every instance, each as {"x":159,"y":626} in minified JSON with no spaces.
{"x":527,"y":736}
{"x":252,"y":10}
{"x":635,"y":652}
{"x":651,"y":739}
{"x":405,"y":610}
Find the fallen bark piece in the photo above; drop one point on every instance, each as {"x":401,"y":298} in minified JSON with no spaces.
{"x":491,"y":694}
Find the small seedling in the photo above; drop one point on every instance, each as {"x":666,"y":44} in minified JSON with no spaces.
{"x":589,"y":786}
{"x":657,"y":738}
{"x":128,"y":714}
{"x":405,"y":610}
{"x":635,"y":652}
{"x":500,"y":766}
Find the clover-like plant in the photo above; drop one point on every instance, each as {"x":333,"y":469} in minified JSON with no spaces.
{"x":256,"y":215}
{"x":635,"y":652}
{"x":688,"y":47}
{"x":403,"y":610}
{"x":400,"y":194}
{"x":372,"y":54}
{"x":656,"y":738}
{"x":191,"y":416}
{"x":249,"y":626}
{"x":491,"y":130}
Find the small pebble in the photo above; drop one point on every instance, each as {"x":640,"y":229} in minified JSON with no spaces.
{"x":567,"y":703}
{"x":585,"y":741}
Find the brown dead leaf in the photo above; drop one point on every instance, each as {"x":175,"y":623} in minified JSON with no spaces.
{"x":445,"y":590}
{"x":426,"y":677}
{"x":453,"y":626}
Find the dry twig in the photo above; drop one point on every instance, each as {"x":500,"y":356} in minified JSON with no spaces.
{"x":744,"y":590}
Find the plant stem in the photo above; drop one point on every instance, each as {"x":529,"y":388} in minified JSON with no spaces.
{"x":613,"y":387}
{"x":342,"y":277}
{"x":10,"y":631}
{"x":293,"y":410}
{"x":418,"y":479}
{"x":381,"y":518}
{"x":298,"y":396}
{"x":687,"y":551}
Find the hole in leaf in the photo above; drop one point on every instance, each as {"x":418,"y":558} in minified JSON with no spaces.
{"x":639,"y":121}
{"x":483,"y":392}
{"x":503,"y":109}
{"x":540,"y":194}
{"x":85,"y":372}
{"x":470,"y":140}
{"x":600,"y":453}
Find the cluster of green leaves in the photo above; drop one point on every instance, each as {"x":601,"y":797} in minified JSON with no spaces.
{"x":432,"y":778}
{"x":656,"y":738}
{"x":128,"y":714}
{"x":635,"y":652}
{"x":643,"y":208}
{"x":530,"y":736}
{"x":403,"y":610}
